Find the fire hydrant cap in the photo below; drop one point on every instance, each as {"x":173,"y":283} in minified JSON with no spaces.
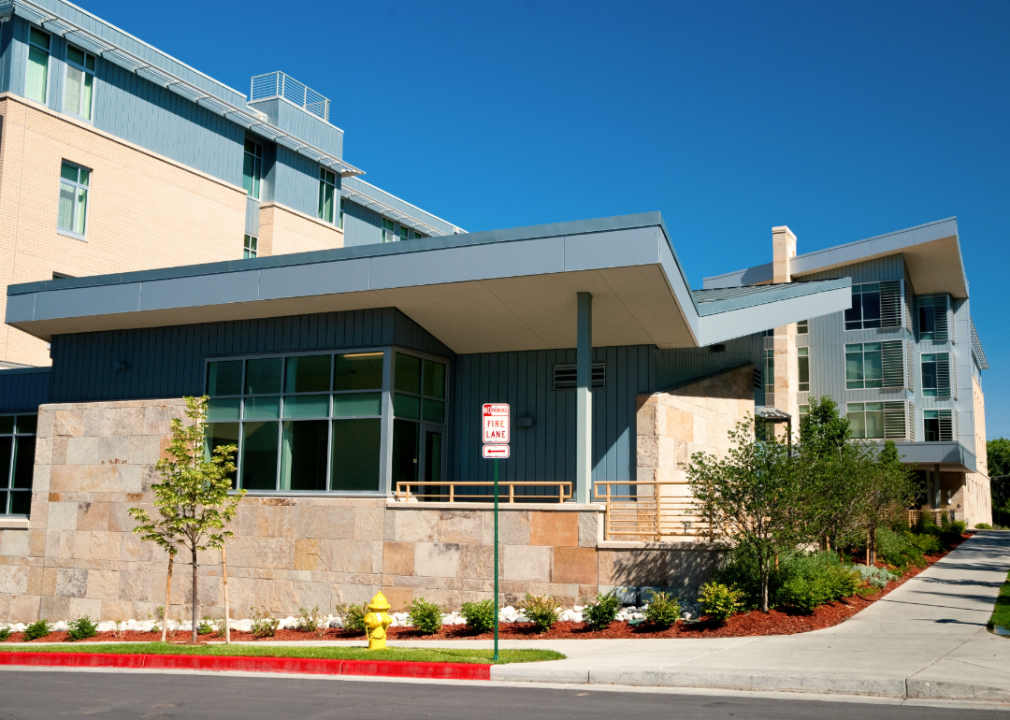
{"x":379,"y":603}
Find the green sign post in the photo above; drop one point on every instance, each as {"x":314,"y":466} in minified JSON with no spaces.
{"x":496,"y":439}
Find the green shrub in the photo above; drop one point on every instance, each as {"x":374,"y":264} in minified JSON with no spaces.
{"x":37,"y":630}
{"x":264,"y":625}
{"x":815,"y":579}
{"x":81,"y":629}
{"x":425,"y":616}
{"x":741,"y":572}
{"x":897,"y":550}
{"x":353,"y":616}
{"x":958,"y":526}
{"x":541,"y":610}
{"x":206,"y":626}
{"x":308,"y":620}
{"x":479,"y":615}
{"x":877,"y":577}
{"x":925,"y":543}
{"x":719,"y":601}
{"x":663,"y":611}
{"x":598,"y":615}
{"x":5,"y":634}
{"x":983,"y":526}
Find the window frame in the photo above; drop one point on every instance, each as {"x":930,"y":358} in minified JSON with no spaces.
{"x":324,"y":182}
{"x":8,"y":488}
{"x":87,"y":199}
{"x":389,"y":230}
{"x":257,"y":163}
{"x":862,"y":356}
{"x":768,"y":367}
{"x":803,"y":327}
{"x":857,"y":290}
{"x":70,"y":65}
{"x":864,"y":411}
{"x":49,"y":61}
{"x":250,"y":247}
{"x":802,"y":359}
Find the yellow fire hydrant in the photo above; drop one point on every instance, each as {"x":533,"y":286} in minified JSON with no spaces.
{"x":377,"y":621}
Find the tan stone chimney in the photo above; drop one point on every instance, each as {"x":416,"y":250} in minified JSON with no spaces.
{"x":787,"y":372}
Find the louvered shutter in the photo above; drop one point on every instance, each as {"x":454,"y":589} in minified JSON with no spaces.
{"x":566,"y":376}
{"x":895,"y":420}
{"x":909,"y":365}
{"x":946,"y":422}
{"x":892,"y":357}
{"x":911,"y":421}
{"x":941,"y":316}
{"x":944,"y":374}
{"x":891,"y":306}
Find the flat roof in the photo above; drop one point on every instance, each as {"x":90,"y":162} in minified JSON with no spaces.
{"x":932,"y":255}
{"x":494,"y":291}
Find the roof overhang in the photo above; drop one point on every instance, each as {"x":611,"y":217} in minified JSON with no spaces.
{"x":932,"y":255}
{"x":949,"y":456}
{"x":496,"y":291}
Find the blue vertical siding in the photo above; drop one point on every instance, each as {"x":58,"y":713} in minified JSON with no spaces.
{"x":303,"y":124}
{"x":24,"y":389}
{"x":362,"y":226}
{"x":7,"y":47}
{"x":294,"y":181}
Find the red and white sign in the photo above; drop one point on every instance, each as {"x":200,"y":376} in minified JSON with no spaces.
{"x":496,"y":423}
{"x":496,"y":451}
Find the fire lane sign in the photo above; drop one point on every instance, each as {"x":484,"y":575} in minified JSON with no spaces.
{"x":492,"y":452}
{"x":496,"y":423}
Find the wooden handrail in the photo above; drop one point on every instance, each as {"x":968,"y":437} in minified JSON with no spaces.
{"x":652,"y":515}
{"x":447,"y":491}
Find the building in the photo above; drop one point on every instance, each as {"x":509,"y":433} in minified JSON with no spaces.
{"x":351,"y":370}
{"x":904,"y":361}
{"x":116,"y":157}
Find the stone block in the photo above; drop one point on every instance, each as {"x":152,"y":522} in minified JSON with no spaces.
{"x":555,"y":529}
{"x":307,"y":555}
{"x":436,"y":559}
{"x":45,"y":424}
{"x":103,"y":584}
{"x":142,"y":449}
{"x":106,"y":545}
{"x":92,"y":516}
{"x":69,"y":423}
{"x":513,"y":527}
{"x":71,"y":582}
{"x":416,"y":525}
{"x":13,"y":579}
{"x":136,"y":586}
{"x":113,"y":450}
{"x":575,"y":565}
{"x":43,"y":451}
{"x":80,"y":544}
{"x":82,"y":451}
{"x":399,"y":598}
{"x":25,"y":608}
{"x":14,"y":543}
{"x":100,"y":479}
{"x":325,"y":523}
{"x":397,"y":558}
{"x":476,"y":561}
{"x":590,"y":529}
{"x":368,"y":522}
{"x":64,"y":478}
{"x":125,"y":421}
{"x":37,"y":542}
{"x":130,"y":478}
{"x":463,"y":526}
{"x":257,"y":521}
{"x":272,"y":553}
{"x":60,"y":450}
{"x":42,"y":478}
{"x":62,"y":516}
{"x":527,"y":563}
{"x":79,"y":607}
{"x":117,"y":610}
{"x":36,"y":576}
{"x":353,"y":556}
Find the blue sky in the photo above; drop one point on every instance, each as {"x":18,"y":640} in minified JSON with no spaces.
{"x":841,"y":120}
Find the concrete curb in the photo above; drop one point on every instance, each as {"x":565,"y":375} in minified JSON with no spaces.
{"x":225,"y":663}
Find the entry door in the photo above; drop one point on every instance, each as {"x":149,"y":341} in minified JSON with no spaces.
{"x":432,"y":461}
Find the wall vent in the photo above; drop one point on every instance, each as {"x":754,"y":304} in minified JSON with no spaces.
{"x":566,"y":376}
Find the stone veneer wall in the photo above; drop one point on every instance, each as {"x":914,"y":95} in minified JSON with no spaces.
{"x":94,"y":461}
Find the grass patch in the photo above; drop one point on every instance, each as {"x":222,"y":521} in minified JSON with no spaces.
{"x":1001,"y":612}
{"x":408,"y":654}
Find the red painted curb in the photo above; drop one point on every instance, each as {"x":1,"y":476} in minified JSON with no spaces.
{"x":223,"y":663}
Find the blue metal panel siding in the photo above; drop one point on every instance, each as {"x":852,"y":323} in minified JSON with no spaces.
{"x":295,"y":181}
{"x":674,"y":367}
{"x":168,"y":361}
{"x":7,"y":49}
{"x":891,"y":267}
{"x":362,"y":226}
{"x":395,"y":203}
{"x":24,"y":390}
{"x":546,"y":451}
{"x":303,"y":125}
{"x":130,"y":107}
{"x":252,"y":217}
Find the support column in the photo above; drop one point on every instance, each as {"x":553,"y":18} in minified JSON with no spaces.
{"x":584,"y":400}
{"x":787,"y":373}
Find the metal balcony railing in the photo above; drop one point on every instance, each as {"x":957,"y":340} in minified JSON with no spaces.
{"x":277,"y":84}
{"x":650,"y":511}
{"x":483,"y":491}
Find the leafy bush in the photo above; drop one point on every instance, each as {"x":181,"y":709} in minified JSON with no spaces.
{"x":81,"y":629}
{"x":719,"y":601}
{"x":877,"y":577}
{"x":958,"y":526}
{"x":983,"y":526}
{"x":308,"y":620}
{"x":816,"y":579}
{"x":479,"y":615}
{"x":663,"y":611}
{"x":541,"y":610}
{"x":600,"y":614}
{"x":425,"y":616}
{"x":264,"y":625}
{"x":5,"y":634}
{"x":37,"y":630}
{"x":897,"y":550}
{"x":353,"y":616}
{"x":926,"y":543}
{"x":206,"y":626}
{"x":741,"y":572}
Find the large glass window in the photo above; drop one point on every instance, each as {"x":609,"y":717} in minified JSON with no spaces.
{"x":249,"y":247}
{"x":327,"y":194}
{"x":37,"y":81}
{"x":388,"y":230}
{"x":863,"y":366}
{"x":803,"y":359}
{"x":866,"y":419}
{"x":930,"y":384}
{"x":937,"y":425}
{"x":252,"y":168}
{"x":80,"y":85}
{"x":73,"y":207}
{"x":419,"y":408}
{"x":769,"y":372}
{"x":865,"y":311}
{"x":17,"y":463}
{"x":302,"y":423}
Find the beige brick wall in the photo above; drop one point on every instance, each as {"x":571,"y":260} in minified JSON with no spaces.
{"x":977,"y":493}
{"x":283,"y":231}
{"x":144,"y":211}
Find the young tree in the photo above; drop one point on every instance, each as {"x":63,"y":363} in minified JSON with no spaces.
{"x":751,"y":496}
{"x":998,"y":462}
{"x":886,"y":488}
{"x":192,"y":498}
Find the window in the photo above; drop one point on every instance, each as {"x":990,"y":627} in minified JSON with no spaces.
{"x":73,"y":206}
{"x":863,"y":366}
{"x":419,"y":235}
{"x":80,"y":84}
{"x":803,"y":359}
{"x":252,"y":168}
{"x":419,"y":408}
{"x":933,"y":324}
{"x":249,"y":247}
{"x":17,"y":463}
{"x":866,"y":419}
{"x":769,"y":374}
{"x":566,"y":376}
{"x":804,"y":411}
{"x":388,"y":230}
{"x":327,"y":194}
{"x":936,"y":374}
{"x":938,"y":425}
{"x":404,"y":230}
{"x":340,"y":224}
{"x":865,"y":310}
{"x":302,"y":423}
{"x":37,"y":82}
{"x":803,"y":327}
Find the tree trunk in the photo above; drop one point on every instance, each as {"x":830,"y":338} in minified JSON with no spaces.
{"x":227,"y":614}
{"x":168,"y":598}
{"x":194,"y":596}
{"x":873,"y":546}
{"x":867,"y":548}
{"x":764,"y":573}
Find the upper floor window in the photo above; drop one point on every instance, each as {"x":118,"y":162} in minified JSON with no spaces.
{"x":933,"y":323}
{"x":863,"y":366}
{"x":327,"y":194}
{"x":249,"y":247}
{"x":803,"y":360}
{"x":803,"y":327}
{"x":937,"y":425}
{"x":37,"y":81}
{"x":404,"y":230}
{"x":80,"y":85}
{"x":343,"y":203}
{"x":865,"y":311}
{"x":769,"y":372}
{"x":388,"y":230}
{"x":17,"y":463}
{"x":866,"y":419}
{"x":418,"y":235}
{"x":252,"y":168}
{"x":936,"y":374}
{"x":73,"y":208}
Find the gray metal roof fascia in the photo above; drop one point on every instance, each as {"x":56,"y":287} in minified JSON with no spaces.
{"x":771,"y":293}
{"x":351,"y":186}
{"x":949,"y":452}
{"x":889,"y":243}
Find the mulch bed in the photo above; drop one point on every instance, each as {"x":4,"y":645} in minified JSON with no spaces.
{"x":749,"y":624}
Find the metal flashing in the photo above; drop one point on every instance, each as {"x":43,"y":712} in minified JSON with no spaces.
{"x":363,"y":196}
{"x":976,"y":348}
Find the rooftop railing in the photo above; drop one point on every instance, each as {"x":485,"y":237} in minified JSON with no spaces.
{"x":277,"y":84}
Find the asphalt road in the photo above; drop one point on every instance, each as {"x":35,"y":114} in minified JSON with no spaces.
{"x":30,"y":695}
